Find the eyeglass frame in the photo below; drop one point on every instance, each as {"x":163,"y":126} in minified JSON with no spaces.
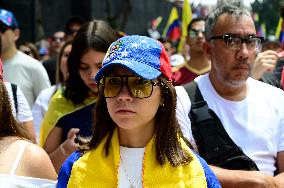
{"x":243,"y":39}
{"x":4,"y":27}
{"x":125,"y":83}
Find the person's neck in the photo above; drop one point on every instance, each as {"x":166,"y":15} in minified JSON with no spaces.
{"x":229,"y":92}
{"x":8,"y":54}
{"x":135,"y":138}
{"x":198,"y":61}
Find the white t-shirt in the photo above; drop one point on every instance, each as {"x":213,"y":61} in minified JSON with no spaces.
{"x":27,"y":73}
{"x":256,"y":124}
{"x":41,"y":105}
{"x":130,"y":168}
{"x":24,"y":113}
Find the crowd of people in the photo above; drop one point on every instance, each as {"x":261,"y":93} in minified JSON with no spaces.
{"x":105,"y":109}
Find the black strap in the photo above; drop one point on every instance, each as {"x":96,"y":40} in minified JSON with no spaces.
{"x":213,"y":142}
{"x":14,"y":91}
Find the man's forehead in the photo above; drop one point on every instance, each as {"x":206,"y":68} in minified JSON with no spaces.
{"x":227,"y":23}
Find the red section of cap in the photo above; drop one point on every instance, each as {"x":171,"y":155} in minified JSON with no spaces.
{"x":282,"y":79}
{"x":165,"y":66}
{"x":1,"y":70}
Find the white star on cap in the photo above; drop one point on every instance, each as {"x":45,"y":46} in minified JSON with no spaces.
{"x":135,"y":45}
{"x":124,"y":53}
{"x":144,"y":41}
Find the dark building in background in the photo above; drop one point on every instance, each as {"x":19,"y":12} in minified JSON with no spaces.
{"x":41,"y":18}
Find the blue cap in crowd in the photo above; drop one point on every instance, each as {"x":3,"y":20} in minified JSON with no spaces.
{"x":8,"y":19}
{"x":142,"y":55}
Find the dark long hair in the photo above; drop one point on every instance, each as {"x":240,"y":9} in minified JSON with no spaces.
{"x":97,"y":35}
{"x":8,"y":124}
{"x":167,"y":129}
{"x":59,"y":74}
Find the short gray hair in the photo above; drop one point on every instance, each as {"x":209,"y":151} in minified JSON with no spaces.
{"x":236,"y":8}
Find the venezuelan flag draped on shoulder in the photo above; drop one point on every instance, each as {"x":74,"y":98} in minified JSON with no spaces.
{"x":93,"y":169}
{"x":58,"y":107}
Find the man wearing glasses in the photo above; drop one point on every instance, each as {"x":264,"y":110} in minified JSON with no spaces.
{"x":251,"y":112}
{"x":198,"y":63}
{"x":20,"y":68}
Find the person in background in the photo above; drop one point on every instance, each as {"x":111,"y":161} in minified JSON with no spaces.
{"x":57,"y":41}
{"x":19,"y":104}
{"x":134,"y":114}
{"x":29,"y":49}
{"x":70,"y":110}
{"x":22,"y":164}
{"x":19,"y":68}
{"x":175,"y":58}
{"x":41,"y":104}
{"x":265,"y":63}
{"x":72,"y":26}
{"x":198,"y":63}
{"x":250,"y":111}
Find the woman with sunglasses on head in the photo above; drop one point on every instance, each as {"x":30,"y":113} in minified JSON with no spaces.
{"x":70,"y":110}
{"x":136,"y":140}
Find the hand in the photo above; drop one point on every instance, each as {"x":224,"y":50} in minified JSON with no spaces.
{"x":264,"y":62}
{"x":69,"y":144}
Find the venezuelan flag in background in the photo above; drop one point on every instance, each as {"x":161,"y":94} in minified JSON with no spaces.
{"x":279,"y":33}
{"x":172,"y":30}
{"x":186,"y":18}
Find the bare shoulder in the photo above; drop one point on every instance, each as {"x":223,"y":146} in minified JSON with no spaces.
{"x":36,"y":163}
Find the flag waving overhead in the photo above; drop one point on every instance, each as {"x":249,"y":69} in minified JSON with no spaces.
{"x":186,"y":18}
{"x":279,"y":34}
{"x":172,"y":29}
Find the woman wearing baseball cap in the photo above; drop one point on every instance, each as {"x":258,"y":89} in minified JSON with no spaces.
{"x":136,"y":141}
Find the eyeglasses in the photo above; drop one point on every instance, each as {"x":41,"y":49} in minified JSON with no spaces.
{"x":234,"y":42}
{"x":71,"y":31}
{"x":27,"y":52}
{"x":193,"y":33}
{"x":138,"y":87}
{"x":59,"y":39}
{"x":3,"y":27}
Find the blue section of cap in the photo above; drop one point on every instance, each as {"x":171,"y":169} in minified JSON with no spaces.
{"x":8,"y":18}
{"x":139,"y":54}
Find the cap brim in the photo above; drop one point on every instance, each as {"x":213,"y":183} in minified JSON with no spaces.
{"x":141,"y":69}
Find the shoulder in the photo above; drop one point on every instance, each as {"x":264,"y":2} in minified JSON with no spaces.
{"x":65,"y":171}
{"x":265,"y":89}
{"x":182,"y":94}
{"x":36,"y":163}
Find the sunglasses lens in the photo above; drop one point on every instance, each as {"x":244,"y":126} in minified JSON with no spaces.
{"x":3,"y":28}
{"x":139,"y":87}
{"x":112,"y":86}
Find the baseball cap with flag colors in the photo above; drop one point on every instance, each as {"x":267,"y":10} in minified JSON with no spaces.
{"x":142,"y":55}
{"x":8,"y":19}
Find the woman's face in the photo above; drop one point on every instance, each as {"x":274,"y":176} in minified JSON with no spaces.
{"x":63,"y":61}
{"x":131,"y":113}
{"x":90,"y":64}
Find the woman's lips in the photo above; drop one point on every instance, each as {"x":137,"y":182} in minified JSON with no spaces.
{"x":122,"y":111}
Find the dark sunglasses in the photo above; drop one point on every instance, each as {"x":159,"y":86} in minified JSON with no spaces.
{"x":3,"y":27}
{"x":27,"y":52}
{"x":193,"y":33}
{"x":71,"y":31}
{"x":138,"y":87}
{"x":59,"y":39}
